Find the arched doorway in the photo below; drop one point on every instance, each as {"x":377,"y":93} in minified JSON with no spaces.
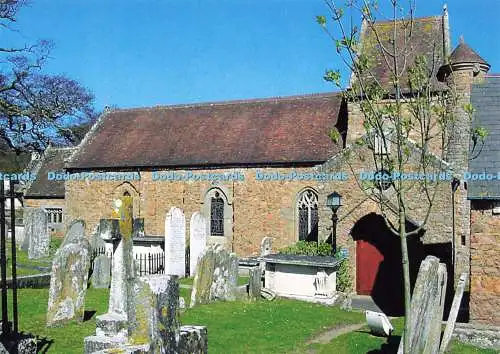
{"x":378,"y":264}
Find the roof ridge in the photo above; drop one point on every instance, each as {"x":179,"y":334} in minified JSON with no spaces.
{"x":233,"y":102}
{"x":423,"y":18}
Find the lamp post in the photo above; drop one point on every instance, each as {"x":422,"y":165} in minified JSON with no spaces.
{"x":334,"y":202}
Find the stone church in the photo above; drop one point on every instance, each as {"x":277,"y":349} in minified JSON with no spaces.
{"x":264,"y":167}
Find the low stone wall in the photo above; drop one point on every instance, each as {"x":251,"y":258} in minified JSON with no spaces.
{"x":36,"y":281}
{"x":482,"y":336}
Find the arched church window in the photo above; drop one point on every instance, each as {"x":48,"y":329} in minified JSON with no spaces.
{"x":308,"y":215}
{"x":126,"y":194}
{"x":217,"y":215}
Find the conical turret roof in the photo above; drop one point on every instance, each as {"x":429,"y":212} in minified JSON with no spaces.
{"x":463,"y":53}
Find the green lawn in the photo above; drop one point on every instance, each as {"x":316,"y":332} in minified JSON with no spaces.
{"x":30,"y":264}
{"x":280,"y":326}
{"x":361,"y":341}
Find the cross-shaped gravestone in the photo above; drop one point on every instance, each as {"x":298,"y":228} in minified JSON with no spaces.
{"x":118,"y":230}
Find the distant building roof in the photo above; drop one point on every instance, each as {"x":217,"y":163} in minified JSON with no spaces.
{"x":429,"y":37}
{"x":285,"y":130}
{"x":51,"y":160}
{"x":485,"y":98}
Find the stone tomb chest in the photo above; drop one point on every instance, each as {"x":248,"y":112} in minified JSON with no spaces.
{"x":310,"y":278}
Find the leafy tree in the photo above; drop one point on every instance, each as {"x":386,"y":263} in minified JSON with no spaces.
{"x":409,"y":114}
{"x":36,"y":109}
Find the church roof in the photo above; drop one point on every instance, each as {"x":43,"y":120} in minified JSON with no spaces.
{"x":285,"y":130}
{"x":485,"y":98}
{"x":465,"y":54}
{"x":428,"y":37}
{"x":52,"y":160}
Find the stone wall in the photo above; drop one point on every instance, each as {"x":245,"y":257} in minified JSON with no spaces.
{"x":485,"y":264}
{"x":260,"y":208}
{"x":43,"y":203}
{"x":357,"y":205}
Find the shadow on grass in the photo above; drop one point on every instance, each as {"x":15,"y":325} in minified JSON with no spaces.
{"x":43,"y":344}
{"x":391,"y":346}
{"x":11,"y":341}
{"x":87,"y":315}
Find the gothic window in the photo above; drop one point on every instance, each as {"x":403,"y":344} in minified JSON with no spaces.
{"x":308,"y":216}
{"x":54,"y":215}
{"x":217,"y":215}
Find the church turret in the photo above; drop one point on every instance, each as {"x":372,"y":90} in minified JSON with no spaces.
{"x":463,"y":68}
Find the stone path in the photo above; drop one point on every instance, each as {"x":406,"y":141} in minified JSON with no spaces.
{"x":364,"y":302}
{"x":334,"y":332}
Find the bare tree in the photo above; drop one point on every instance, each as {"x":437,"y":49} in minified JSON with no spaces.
{"x":406,"y":111}
{"x":36,"y":109}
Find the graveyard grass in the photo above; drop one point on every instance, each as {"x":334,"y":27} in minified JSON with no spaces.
{"x":26,"y":266}
{"x":280,"y":326}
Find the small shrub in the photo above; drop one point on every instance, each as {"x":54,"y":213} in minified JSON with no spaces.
{"x":306,"y":248}
{"x":344,"y":279}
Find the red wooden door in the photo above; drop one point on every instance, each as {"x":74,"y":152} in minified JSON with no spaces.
{"x":368,"y":259}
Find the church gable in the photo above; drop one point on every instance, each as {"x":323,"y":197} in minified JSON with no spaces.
{"x":427,"y":36}
{"x":278,"y":131}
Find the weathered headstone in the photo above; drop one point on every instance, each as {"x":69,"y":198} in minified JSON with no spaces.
{"x":112,"y":327}
{"x":216,"y":278}
{"x":138,"y":228}
{"x":193,"y":340}
{"x":155,"y":317}
{"x":198,"y":231}
{"x":254,"y":283}
{"x":452,"y":317}
{"x":19,"y":235}
{"x":427,"y":306}
{"x":101,"y":273}
{"x":266,"y":246}
{"x":36,"y":237}
{"x":75,"y":233}
{"x":175,"y":242}
{"x":68,"y":281}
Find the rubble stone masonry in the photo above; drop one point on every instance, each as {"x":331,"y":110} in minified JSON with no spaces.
{"x":259,"y":208}
{"x":485,"y":264}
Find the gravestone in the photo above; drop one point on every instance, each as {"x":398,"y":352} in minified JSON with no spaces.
{"x":96,"y":241}
{"x":254,"y":283}
{"x":68,"y":281}
{"x":36,"y":238}
{"x":101,"y":274}
{"x":175,"y":243}
{"x":75,"y":233}
{"x":216,"y":278}
{"x":112,"y":327}
{"x":198,"y":231}
{"x":155,"y":314}
{"x":452,"y":317}
{"x":138,"y":228}
{"x":266,"y":246}
{"x":427,"y":306}
{"x":19,"y":235}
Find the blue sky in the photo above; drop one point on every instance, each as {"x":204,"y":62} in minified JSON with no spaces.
{"x":134,"y":53}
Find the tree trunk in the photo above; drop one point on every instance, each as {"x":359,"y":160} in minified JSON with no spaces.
{"x":406,"y":276}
